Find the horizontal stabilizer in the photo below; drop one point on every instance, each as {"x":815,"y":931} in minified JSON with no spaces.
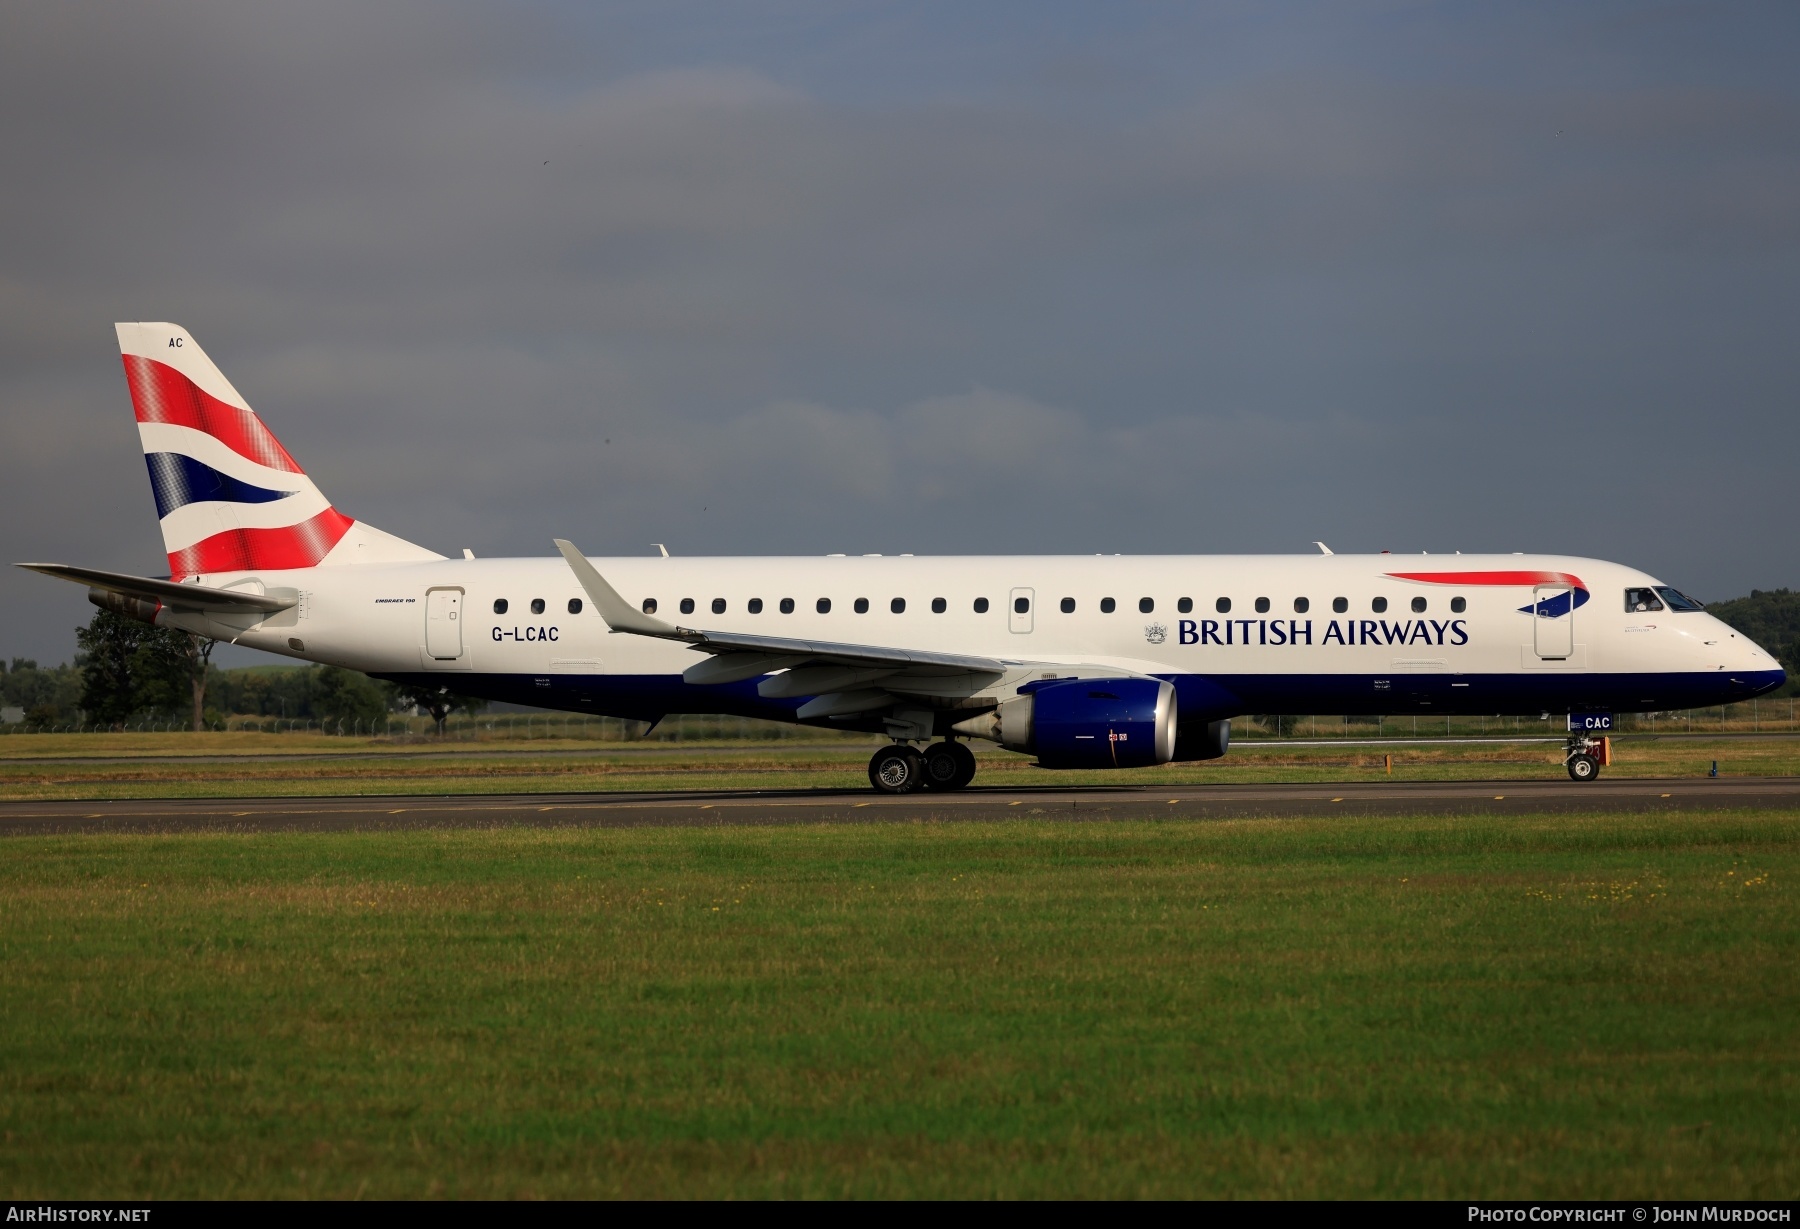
{"x":167,"y":592}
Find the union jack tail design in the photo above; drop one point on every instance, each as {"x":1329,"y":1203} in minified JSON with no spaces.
{"x":230,"y":497}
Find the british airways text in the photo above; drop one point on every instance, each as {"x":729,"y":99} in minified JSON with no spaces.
{"x":1344,"y":631}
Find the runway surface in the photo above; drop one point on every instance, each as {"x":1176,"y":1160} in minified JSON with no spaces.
{"x":746,"y":807}
{"x":820,"y":749}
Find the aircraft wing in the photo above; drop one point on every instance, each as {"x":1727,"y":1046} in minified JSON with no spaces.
{"x":835,"y":672}
{"x":167,"y":592}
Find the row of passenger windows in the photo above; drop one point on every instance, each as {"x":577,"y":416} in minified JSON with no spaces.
{"x":1021,"y":605}
{"x":1636,"y":600}
{"x":501,"y":606}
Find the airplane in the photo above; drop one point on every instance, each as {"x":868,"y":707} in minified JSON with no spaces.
{"x":1103,"y":661}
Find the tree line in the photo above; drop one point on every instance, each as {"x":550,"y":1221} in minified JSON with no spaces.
{"x":125,"y":671}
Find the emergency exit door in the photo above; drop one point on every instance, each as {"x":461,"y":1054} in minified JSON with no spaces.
{"x":443,"y":624}
{"x":1553,"y":622}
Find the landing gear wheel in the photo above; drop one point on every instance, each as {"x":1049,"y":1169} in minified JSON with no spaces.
{"x":896,"y":770}
{"x":1584,"y":767}
{"x":948,"y":766}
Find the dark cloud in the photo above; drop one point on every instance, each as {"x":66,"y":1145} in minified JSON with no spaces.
{"x":920,"y":279}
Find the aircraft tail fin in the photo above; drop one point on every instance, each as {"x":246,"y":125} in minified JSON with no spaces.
{"x":229,"y":496}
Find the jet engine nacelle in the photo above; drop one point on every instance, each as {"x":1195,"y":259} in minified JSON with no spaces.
{"x":1086,"y":723}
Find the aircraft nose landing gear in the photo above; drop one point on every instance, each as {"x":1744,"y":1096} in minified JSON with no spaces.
{"x":1584,"y":756}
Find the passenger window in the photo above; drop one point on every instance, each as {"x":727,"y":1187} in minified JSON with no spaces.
{"x":754,"y":606}
{"x":939,"y":605}
{"x":1068,"y":605}
{"x":1107,"y":605}
{"x":574,"y":605}
{"x":1379,"y":605}
{"x":1021,"y":605}
{"x":1340,"y":604}
{"x":500,"y":605}
{"x":787,"y":605}
{"x":1418,"y":605}
{"x":898,"y":605}
{"x":824,"y":605}
{"x":718,"y":605}
{"x":537,"y":605}
{"x":687,"y":605}
{"x":1185,"y":605}
{"x":1262,"y":605}
{"x":1223,"y":605}
{"x":1638,"y":601}
{"x":1458,"y":605}
{"x":860,"y":605}
{"x":1146,"y":605}
{"x":981,"y":605}
{"x":1301,"y":605}
{"x":1678,"y":601}
{"x":649,"y":605}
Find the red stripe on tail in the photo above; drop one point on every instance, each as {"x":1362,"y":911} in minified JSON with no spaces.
{"x":159,"y":393}
{"x":243,"y":550}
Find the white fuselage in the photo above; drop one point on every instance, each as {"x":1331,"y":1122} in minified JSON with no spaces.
{"x":1283,"y":645}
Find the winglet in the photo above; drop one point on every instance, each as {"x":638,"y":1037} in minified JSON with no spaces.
{"x":1323,"y":549}
{"x":615,"y":610}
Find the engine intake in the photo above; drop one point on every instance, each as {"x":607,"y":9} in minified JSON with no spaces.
{"x":1086,"y":723}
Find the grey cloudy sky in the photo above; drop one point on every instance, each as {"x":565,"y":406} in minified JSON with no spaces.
{"x":797,"y":277}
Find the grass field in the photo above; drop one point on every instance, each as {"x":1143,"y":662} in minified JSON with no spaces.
{"x":1583,"y":1007}
{"x":172,"y":765}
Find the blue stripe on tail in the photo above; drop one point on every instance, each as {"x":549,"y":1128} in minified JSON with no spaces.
{"x":180,"y":480}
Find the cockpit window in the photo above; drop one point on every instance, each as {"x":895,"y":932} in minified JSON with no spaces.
{"x":1638,"y":601}
{"x":1679,"y":601}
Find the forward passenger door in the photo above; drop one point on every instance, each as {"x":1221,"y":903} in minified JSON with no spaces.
{"x":1553,"y":622}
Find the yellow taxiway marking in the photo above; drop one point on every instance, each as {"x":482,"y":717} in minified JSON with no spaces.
{"x":102,"y":814}
{"x":859,"y":804}
{"x":401,"y":811}
{"x":1499,"y":797}
{"x":1337,"y":799}
{"x":1665,"y":795}
{"x":239,"y":814}
{"x":1013,"y":804}
{"x":541,"y":810}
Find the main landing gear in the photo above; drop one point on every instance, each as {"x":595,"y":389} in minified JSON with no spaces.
{"x":900,"y":769}
{"x":1583,"y":758}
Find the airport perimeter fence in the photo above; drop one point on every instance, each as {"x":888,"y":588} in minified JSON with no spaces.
{"x":1775,"y":715}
